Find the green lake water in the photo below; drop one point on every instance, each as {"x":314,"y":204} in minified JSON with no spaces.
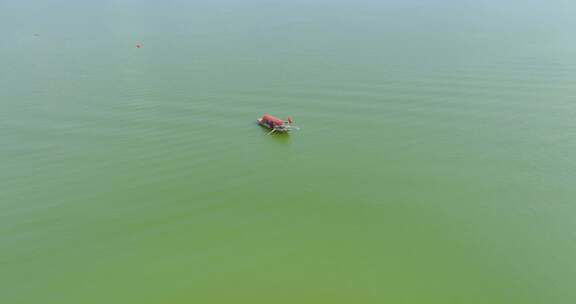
{"x":436,"y":161}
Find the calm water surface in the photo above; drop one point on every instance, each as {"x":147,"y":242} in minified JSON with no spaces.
{"x":436,"y":161}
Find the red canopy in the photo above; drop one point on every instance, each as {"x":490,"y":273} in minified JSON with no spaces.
{"x":267,"y":118}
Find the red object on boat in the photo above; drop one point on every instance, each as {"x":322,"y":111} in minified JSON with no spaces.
{"x":138,"y":45}
{"x":276,"y":124}
{"x":272,"y":120}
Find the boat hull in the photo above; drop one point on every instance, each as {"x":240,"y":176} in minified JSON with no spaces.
{"x":279,"y":129}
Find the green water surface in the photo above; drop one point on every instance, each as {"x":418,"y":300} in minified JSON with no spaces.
{"x":436,"y":161}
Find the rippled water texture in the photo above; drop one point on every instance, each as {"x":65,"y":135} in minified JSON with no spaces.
{"x":435,"y":164}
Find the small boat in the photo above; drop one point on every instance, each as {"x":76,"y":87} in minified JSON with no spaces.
{"x":275,"y":124}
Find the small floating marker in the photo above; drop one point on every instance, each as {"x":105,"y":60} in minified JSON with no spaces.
{"x":138,"y":45}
